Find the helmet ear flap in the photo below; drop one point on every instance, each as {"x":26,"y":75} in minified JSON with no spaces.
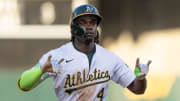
{"x":76,"y":30}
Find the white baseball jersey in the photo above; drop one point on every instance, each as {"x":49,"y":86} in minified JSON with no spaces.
{"x":80,"y":81}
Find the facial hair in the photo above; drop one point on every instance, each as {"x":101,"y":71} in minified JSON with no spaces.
{"x":87,"y":37}
{"x":83,"y":39}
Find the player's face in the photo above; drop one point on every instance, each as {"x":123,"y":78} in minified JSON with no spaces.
{"x":89,"y":23}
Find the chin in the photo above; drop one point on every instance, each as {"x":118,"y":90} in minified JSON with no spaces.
{"x":88,"y":41}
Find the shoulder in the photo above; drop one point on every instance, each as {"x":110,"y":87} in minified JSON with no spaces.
{"x":107,"y":53}
{"x":104,"y":51}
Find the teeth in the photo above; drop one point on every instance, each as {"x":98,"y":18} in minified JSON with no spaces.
{"x":90,"y":33}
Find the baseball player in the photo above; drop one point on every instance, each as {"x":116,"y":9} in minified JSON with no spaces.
{"x":82,"y":68}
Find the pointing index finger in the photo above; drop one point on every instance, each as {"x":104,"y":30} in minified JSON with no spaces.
{"x":137,"y":63}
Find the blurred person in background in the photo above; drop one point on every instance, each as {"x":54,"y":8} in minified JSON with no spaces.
{"x":82,"y":68}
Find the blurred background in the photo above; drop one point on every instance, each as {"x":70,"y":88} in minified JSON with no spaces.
{"x":148,"y":29}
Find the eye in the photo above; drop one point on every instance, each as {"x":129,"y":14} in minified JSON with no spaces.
{"x":81,"y":22}
{"x":93,"y":22}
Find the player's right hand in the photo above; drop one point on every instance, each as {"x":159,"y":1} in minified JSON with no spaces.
{"x":47,"y":67}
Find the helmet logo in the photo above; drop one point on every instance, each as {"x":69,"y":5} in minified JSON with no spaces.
{"x":88,"y":9}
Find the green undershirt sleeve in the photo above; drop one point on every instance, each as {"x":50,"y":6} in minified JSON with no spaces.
{"x":31,"y":78}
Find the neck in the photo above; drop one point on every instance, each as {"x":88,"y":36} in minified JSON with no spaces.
{"x":84,"y":47}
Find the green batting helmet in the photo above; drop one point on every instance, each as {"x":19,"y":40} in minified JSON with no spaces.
{"x":86,"y":9}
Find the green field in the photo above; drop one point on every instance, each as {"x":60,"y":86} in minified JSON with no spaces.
{"x":45,"y":91}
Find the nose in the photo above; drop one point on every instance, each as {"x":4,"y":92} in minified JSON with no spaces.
{"x":89,"y":28}
{"x":88,"y":24}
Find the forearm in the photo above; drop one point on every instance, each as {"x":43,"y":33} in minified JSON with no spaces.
{"x":30,"y":78}
{"x":138,"y":86}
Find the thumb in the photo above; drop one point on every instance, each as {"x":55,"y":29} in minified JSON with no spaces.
{"x":49,"y":58}
{"x":141,"y":76}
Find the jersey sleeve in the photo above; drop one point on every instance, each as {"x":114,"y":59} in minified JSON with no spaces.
{"x":122,"y":74}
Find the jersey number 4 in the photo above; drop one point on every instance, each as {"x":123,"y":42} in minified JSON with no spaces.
{"x":100,"y":94}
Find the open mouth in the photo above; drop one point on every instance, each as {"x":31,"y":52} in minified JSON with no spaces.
{"x":90,"y":34}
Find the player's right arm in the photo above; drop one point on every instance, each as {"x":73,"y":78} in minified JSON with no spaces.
{"x":31,"y":78}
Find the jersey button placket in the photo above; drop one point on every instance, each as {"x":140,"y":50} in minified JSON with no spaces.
{"x":87,"y":67}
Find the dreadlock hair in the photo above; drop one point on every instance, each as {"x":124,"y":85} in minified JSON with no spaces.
{"x":97,"y":38}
